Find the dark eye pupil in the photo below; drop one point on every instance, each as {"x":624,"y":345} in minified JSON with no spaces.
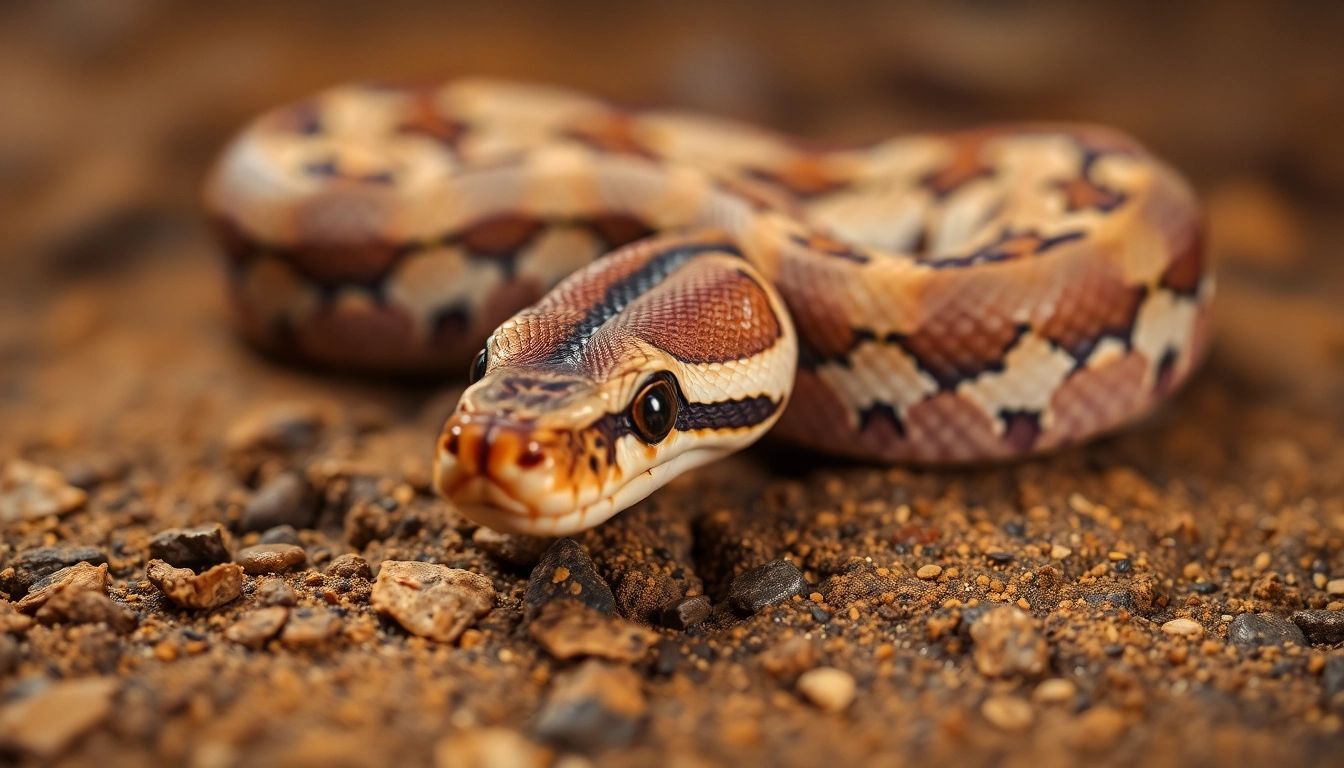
{"x":655,"y":411}
{"x":478,"y":367}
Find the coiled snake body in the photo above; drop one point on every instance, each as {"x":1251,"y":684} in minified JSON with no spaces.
{"x":944,"y":298}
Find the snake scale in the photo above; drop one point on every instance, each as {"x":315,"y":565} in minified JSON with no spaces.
{"x":638,"y":292}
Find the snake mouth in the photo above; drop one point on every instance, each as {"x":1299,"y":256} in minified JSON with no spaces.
{"x":515,"y":476}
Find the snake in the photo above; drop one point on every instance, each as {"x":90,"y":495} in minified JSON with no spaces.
{"x":637,"y":291}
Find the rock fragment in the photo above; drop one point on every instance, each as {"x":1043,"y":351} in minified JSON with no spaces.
{"x":1323,"y":627}
{"x":790,"y":658}
{"x":285,"y":499}
{"x":276,"y":592}
{"x":34,"y":564}
{"x":1250,"y":631}
{"x":511,"y":548}
{"x":766,"y":585}
{"x":270,"y":558}
{"x":593,"y":706}
{"x":11,"y":621}
{"x":72,"y":605}
{"x":350,"y":567}
{"x":1185,"y":628}
{"x":828,"y":688}
{"x":78,"y":577}
{"x":1007,"y":643}
{"x":429,"y":600}
{"x":215,"y":587}
{"x":566,"y":572}
{"x":686,"y":613}
{"x":309,"y":626}
{"x":567,"y":629}
{"x":48,"y":722}
{"x":254,"y":629}
{"x":31,"y":491}
{"x":196,"y":548}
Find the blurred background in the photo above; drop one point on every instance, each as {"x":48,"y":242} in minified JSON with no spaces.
{"x":113,"y":109}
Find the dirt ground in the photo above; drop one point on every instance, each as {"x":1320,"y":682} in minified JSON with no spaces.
{"x":1170,"y":595}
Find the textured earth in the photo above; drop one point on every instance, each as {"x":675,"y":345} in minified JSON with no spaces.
{"x":209,"y":558}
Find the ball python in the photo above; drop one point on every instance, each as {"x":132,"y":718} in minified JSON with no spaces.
{"x":637,"y":292}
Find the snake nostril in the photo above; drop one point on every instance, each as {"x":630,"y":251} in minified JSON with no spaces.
{"x":531,"y":455}
{"x":450,"y":443}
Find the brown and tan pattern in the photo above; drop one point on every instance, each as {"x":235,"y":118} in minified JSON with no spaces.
{"x":931,"y":299}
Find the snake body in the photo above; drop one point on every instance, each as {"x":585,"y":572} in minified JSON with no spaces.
{"x":933,"y":299}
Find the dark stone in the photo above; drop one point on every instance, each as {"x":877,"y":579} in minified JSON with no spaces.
{"x":196,"y":548}
{"x":1015,"y":528}
{"x":1123,"y":566}
{"x":284,"y":500}
{"x":685,"y":613}
{"x":1251,"y":631}
{"x":281,"y":534}
{"x":578,"y":580}
{"x":766,"y":585}
{"x":350,"y":567}
{"x":1000,"y":557}
{"x":36,"y":564}
{"x":1205,"y":587}
{"x":1325,"y":627}
{"x":276,"y":592}
{"x":818,"y":615}
{"x":592,"y":707}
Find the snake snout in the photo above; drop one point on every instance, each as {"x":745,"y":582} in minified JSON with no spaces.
{"x":498,"y":470}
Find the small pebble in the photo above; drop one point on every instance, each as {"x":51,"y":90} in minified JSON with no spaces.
{"x":1261,"y":562}
{"x":285,"y":499}
{"x":685,"y":613}
{"x":270,"y":558}
{"x":1008,"y":643}
{"x":73,"y":605}
{"x":350,"y":567}
{"x":790,"y":658}
{"x":80,"y":576}
{"x":429,"y":600}
{"x":830,"y":689}
{"x":1060,"y":552}
{"x":595,"y":705}
{"x":567,"y":629}
{"x":1056,"y":690}
{"x":254,"y":629}
{"x":195,"y":548}
{"x":215,"y":587}
{"x":929,"y":572}
{"x":1322,"y":627}
{"x":1186,"y":628}
{"x":309,"y":626}
{"x":1257,"y":630}
{"x":31,"y":491}
{"x":1008,"y":713}
{"x":1098,"y":728}
{"x":1335,"y":587}
{"x":281,"y":534}
{"x":276,"y":592}
{"x":765,"y":585}
{"x":34,"y":564}
{"x":566,"y":572}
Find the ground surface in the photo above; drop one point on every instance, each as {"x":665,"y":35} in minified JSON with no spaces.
{"x":118,"y":374}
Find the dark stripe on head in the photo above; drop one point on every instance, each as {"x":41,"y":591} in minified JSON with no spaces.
{"x":728,"y":414}
{"x":621,"y":293}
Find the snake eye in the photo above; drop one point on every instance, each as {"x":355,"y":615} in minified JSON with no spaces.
{"x":478,"y":367}
{"x":654,"y":411}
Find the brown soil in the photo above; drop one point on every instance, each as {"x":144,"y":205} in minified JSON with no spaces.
{"x":118,"y":372}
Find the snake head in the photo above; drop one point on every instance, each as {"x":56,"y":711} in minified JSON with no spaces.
{"x":655,"y":359}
